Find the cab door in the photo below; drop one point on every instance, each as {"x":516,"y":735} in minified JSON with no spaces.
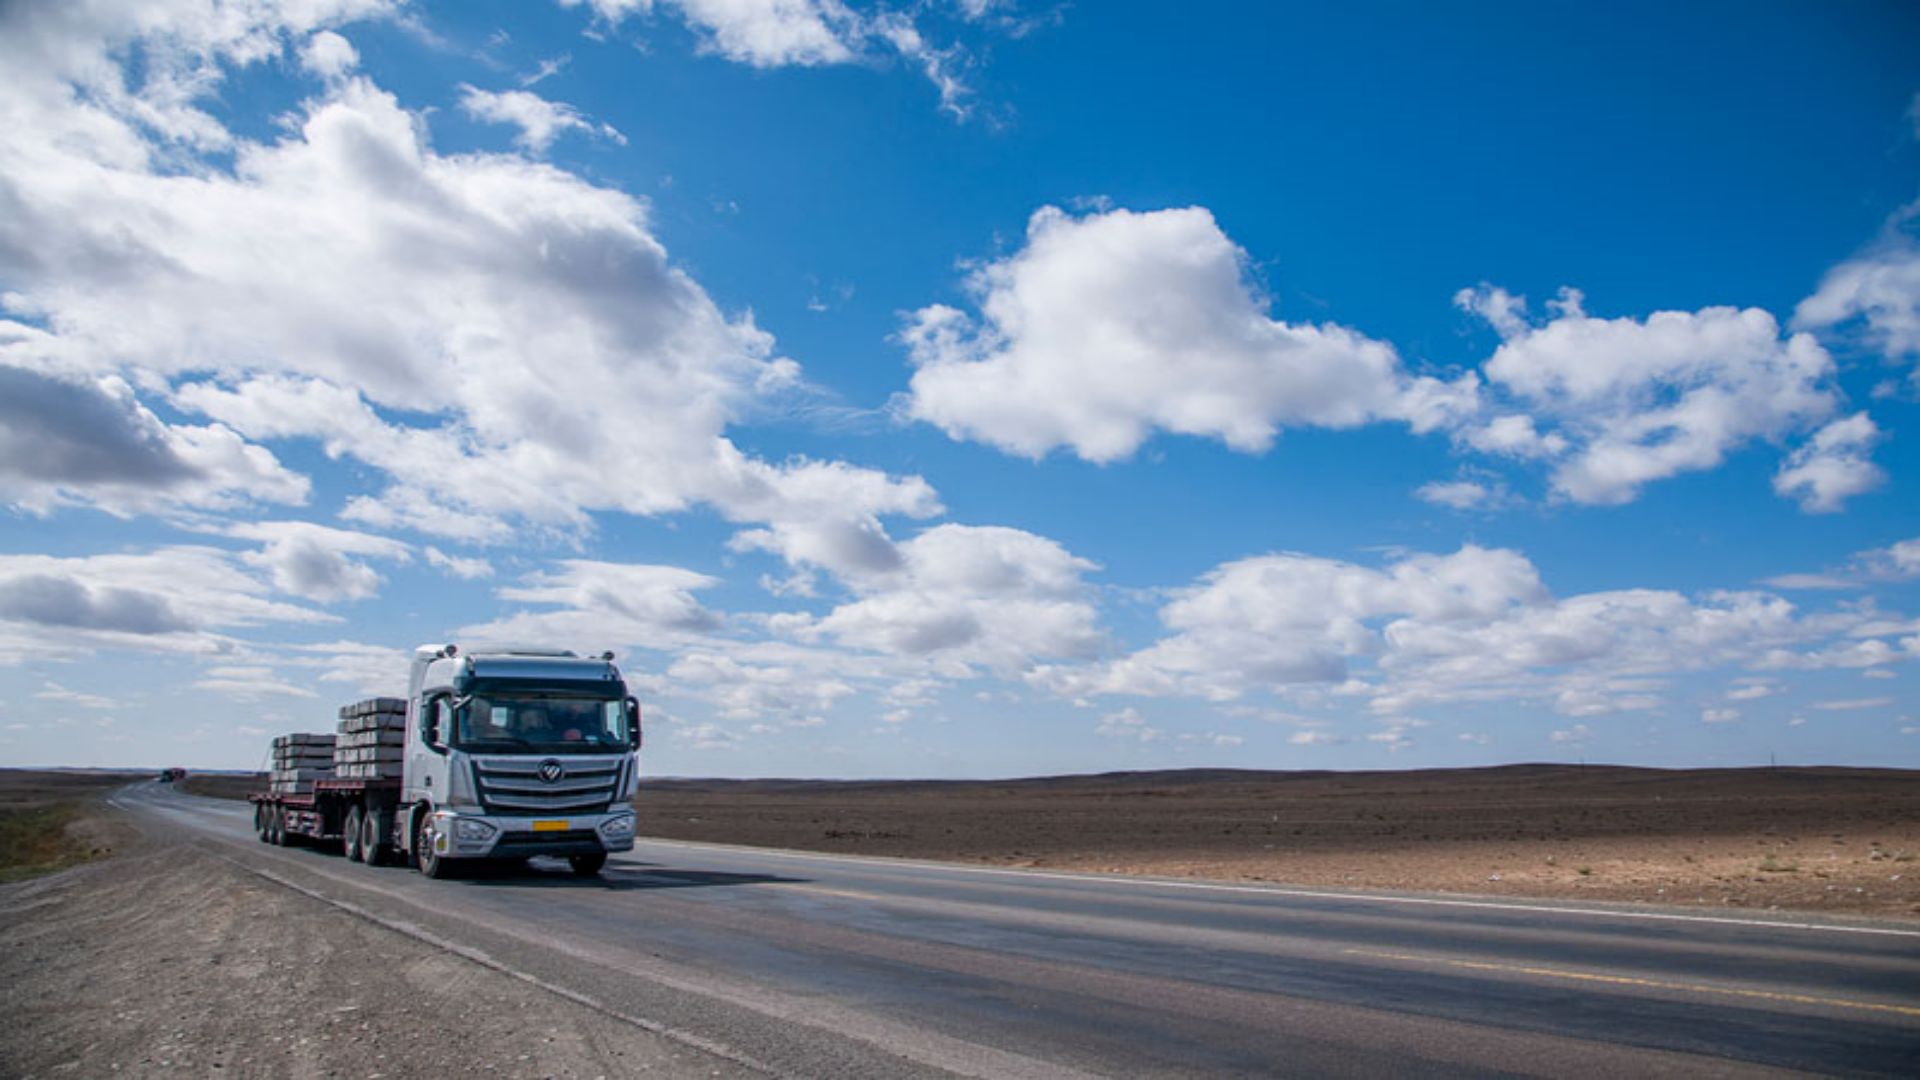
{"x":429,"y":731}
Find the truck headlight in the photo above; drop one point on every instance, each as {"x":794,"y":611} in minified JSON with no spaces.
{"x":617,"y":826}
{"x":470,"y":831}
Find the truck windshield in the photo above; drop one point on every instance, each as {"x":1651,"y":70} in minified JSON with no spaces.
{"x":524,"y":723}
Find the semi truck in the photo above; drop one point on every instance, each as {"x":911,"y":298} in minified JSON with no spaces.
{"x":507,"y":754}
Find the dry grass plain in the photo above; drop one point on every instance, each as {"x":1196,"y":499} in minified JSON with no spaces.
{"x":52,"y":820}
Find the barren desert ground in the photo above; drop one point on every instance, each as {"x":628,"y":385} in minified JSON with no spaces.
{"x":1840,"y":840}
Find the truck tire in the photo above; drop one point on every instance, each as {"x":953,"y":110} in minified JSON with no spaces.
{"x":350,"y":835}
{"x":277,"y":827}
{"x":260,"y":819}
{"x":373,"y":838}
{"x":587,"y":865}
{"x":430,"y":862}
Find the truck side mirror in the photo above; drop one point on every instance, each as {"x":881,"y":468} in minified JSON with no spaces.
{"x":633,"y":722}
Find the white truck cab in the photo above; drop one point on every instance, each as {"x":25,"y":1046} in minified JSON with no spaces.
{"x":515,"y":753}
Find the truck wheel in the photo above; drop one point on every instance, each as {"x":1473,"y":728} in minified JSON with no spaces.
{"x":350,"y":835}
{"x":260,"y":822}
{"x":587,"y":865}
{"x":431,"y":863}
{"x":279,"y":827}
{"x":373,"y":838}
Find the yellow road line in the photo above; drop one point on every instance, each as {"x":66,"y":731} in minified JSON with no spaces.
{"x":1627,"y":980}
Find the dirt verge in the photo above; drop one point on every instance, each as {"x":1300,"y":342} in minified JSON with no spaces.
{"x":166,"y":960}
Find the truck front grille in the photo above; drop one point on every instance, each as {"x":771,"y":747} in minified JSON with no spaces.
{"x":514,"y":786}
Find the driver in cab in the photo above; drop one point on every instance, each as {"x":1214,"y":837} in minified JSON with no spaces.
{"x":536,"y":725}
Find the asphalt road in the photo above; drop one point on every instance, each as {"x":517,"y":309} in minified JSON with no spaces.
{"x":814,"y":965}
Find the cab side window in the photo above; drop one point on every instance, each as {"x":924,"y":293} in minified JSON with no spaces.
{"x":439,"y":727}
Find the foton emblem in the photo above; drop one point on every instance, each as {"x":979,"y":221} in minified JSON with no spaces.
{"x":551,"y":771}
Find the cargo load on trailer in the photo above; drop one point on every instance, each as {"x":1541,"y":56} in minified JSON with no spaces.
{"x":496,"y":755}
{"x":298,"y":761}
{"x":372,"y":739}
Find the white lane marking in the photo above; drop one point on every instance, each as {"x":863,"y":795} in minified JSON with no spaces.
{"x":1273,"y":890}
{"x":1637,"y":982}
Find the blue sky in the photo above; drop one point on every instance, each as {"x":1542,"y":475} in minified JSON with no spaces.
{"x":969,"y":387}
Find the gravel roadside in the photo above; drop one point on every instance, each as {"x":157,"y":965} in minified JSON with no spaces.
{"x":165,"y":961}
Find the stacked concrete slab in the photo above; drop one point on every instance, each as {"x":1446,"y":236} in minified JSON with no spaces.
{"x":372,"y":738}
{"x":299,"y":760}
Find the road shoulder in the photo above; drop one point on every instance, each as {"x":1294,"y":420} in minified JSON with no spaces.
{"x":166,"y":959}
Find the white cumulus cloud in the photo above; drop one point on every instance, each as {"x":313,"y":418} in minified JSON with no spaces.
{"x":763,"y":33}
{"x":810,"y":33}
{"x":1475,"y":626}
{"x":179,"y":599}
{"x":1853,"y":704}
{"x":540,"y":121}
{"x":963,"y":595}
{"x":78,"y":440}
{"x":758,"y":682}
{"x":591,"y":605}
{"x":464,"y":567}
{"x":347,"y":284}
{"x":1616,"y":404}
{"x":1464,"y":494}
{"x":1878,"y":290}
{"x":1129,"y":725}
{"x":1833,"y":466}
{"x":1110,"y":326}
{"x":329,"y":55}
{"x":318,"y":562}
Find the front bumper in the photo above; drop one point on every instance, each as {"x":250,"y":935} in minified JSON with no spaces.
{"x":488,"y":836}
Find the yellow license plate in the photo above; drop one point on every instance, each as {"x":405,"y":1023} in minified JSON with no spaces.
{"x":550,"y":826}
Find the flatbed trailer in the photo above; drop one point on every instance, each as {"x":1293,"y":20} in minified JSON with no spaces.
{"x":357,"y":815}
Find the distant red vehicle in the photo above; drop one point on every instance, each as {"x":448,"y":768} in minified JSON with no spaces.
{"x":168,"y":776}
